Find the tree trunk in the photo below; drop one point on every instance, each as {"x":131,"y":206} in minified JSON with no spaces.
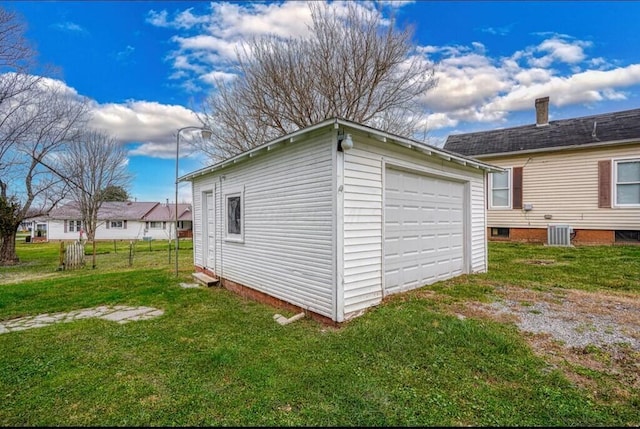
{"x":93,"y":257}
{"x":8,"y":255}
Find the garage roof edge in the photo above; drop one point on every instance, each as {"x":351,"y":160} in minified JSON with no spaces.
{"x":383,"y":135}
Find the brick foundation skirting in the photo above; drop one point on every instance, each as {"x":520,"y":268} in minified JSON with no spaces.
{"x":580,"y":237}
{"x":255,"y":295}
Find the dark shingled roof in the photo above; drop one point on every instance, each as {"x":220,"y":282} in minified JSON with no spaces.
{"x":609,"y":127}
{"x":109,"y":210}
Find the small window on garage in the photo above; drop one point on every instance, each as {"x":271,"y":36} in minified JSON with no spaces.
{"x":627,"y":236}
{"x":234,"y":215}
{"x":499,"y":232}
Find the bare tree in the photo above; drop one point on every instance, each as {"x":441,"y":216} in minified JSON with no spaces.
{"x":34,"y":127}
{"x":37,"y":116}
{"x":91,"y":164}
{"x":355,"y":66}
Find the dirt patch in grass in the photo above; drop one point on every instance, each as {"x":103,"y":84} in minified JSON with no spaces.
{"x":592,"y":337}
{"x":19,"y":277}
{"x":537,"y":261}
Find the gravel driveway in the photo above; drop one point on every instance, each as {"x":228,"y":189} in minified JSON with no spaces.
{"x":573,"y":330}
{"x":575,"y":318}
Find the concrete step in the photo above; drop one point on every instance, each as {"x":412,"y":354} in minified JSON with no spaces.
{"x":205,"y":279}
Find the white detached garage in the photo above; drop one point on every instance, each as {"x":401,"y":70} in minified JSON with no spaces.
{"x":332,"y":218}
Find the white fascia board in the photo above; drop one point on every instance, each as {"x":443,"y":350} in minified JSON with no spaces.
{"x":378,"y":134}
{"x":422,"y":147}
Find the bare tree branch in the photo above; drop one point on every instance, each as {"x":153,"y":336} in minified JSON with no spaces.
{"x":353,"y":65}
{"x":35,"y":124}
{"x":92,"y":163}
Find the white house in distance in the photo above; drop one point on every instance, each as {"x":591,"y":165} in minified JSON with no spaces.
{"x":121,"y":221}
{"x":332,"y":218}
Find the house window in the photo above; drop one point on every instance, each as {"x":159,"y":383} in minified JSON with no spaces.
{"x":75,"y":225}
{"x":627,"y":182}
{"x":234,"y":216}
{"x":155,"y":225}
{"x":116,"y":224}
{"x":499,"y":232}
{"x":500,"y":185}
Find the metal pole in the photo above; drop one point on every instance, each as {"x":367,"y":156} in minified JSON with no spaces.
{"x":176,"y":223}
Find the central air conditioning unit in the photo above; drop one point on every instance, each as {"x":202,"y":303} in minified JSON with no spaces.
{"x":559,"y":235}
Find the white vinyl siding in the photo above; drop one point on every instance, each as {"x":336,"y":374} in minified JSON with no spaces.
{"x":564,"y":185}
{"x":362,"y":230}
{"x":363,"y":214}
{"x":135,"y":230}
{"x":288,"y":223}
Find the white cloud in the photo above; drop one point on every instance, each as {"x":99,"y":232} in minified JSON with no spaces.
{"x":158,"y":19}
{"x":70,"y":27}
{"x":474,"y":87}
{"x":125,"y":54}
{"x":207,"y":43}
{"x":473,"y":84}
{"x":152,"y":125}
{"x":498,"y":31}
{"x":561,"y":50}
{"x":214,"y":76}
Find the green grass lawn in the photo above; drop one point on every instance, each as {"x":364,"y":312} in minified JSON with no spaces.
{"x":216,"y":359}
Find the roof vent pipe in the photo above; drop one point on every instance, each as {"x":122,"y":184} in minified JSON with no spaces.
{"x":542,"y":111}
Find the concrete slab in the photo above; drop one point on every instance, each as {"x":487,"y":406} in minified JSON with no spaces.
{"x":120,"y":314}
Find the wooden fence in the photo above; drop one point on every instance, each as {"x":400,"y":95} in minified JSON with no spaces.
{"x":73,"y":255}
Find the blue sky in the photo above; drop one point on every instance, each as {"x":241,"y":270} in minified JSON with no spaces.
{"x":147,"y":66}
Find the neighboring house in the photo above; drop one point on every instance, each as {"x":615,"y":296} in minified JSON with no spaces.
{"x":570,"y":181}
{"x":122,"y":221}
{"x":332,"y":218}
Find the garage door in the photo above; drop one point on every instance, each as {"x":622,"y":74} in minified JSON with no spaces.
{"x":424,"y":230}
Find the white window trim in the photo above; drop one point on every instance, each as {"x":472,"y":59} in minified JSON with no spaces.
{"x":509,"y":171}
{"x":155,"y":227}
{"x":74,"y":225}
{"x":236,"y":191}
{"x":112,"y":226}
{"x":614,"y":182}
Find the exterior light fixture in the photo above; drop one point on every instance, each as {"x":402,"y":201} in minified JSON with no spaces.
{"x":346,"y":143}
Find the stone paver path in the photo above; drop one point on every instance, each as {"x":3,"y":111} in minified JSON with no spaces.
{"x":119,"y":313}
